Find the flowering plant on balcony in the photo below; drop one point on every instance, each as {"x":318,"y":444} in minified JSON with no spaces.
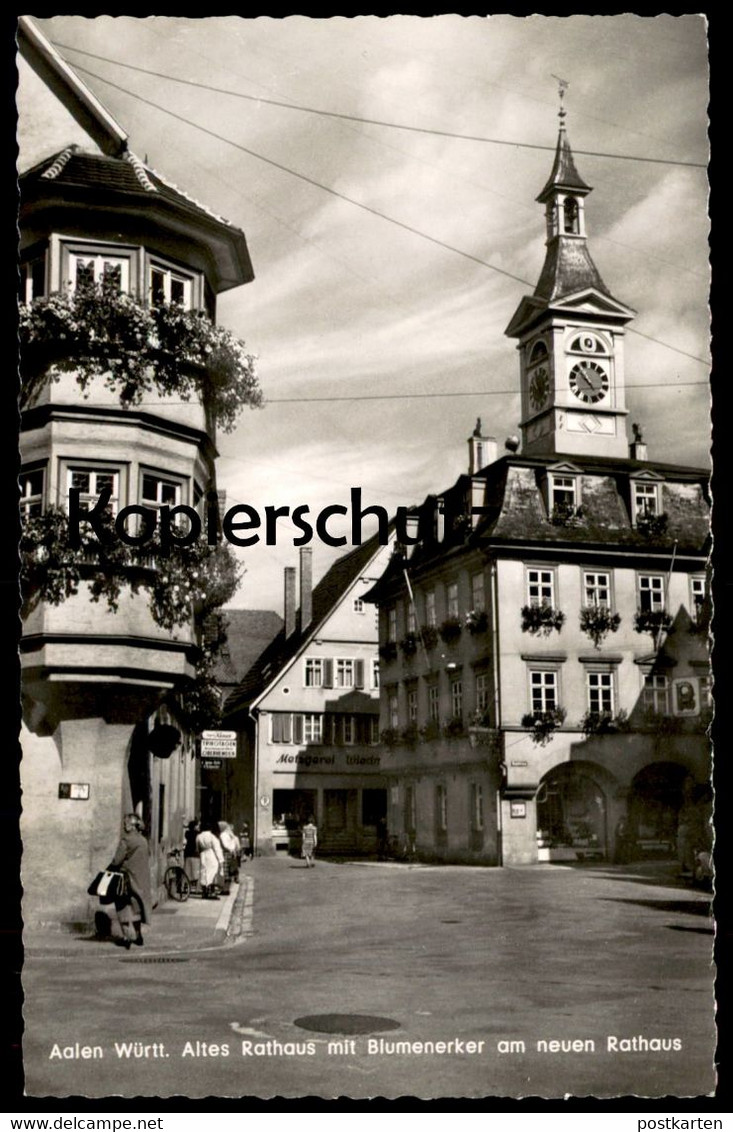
{"x":652,"y":621}
{"x":598,"y":621}
{"x":388,"y":651}
{"x":408,"y":645}
{"x":541,"y":619}
{"x":454,"y":728}
{"x":450,"y":630}
{"x":652,"y":526}
{"x":542,"y":724}
{"x":566,"y":515}
{"x":98,"y":331}
{"x":430,"y":731}
{"x":429,"y":637}
{"x":476,"y":621}
{"x":604,"y":722}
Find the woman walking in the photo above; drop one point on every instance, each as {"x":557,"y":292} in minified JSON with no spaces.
{"x":230,"y":845}
{"x":310,"y":840}
{"x":191,"y":862}
{"x":133,"y":907}
{"x":212,"y":858}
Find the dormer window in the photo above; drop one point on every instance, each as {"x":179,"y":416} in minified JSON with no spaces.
{"x":646,"y":500}
{"x":563,"y":495}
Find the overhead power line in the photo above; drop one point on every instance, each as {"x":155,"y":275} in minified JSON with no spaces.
{"x":375,"y":121}
{"x":357,"y":204}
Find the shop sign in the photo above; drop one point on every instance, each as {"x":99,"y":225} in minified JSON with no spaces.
{"x":211,"y":764}
{"x":218,"y":744}
{"x":518,"y":809}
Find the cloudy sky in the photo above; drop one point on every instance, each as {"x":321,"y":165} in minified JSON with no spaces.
{"x":378,"y":294}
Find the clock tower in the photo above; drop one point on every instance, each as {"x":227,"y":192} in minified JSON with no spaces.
{"x":570,"y":332}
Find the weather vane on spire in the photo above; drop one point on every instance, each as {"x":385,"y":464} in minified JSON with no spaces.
{"x":562,"y":86}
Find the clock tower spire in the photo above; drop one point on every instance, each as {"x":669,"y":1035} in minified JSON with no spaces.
{"x":570,"y":331}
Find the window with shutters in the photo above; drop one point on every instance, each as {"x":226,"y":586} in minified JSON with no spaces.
{"x":313,"y":672}
{"x":344,"y":674}
{"x":312,"y":728}
{"x":281,"y":729}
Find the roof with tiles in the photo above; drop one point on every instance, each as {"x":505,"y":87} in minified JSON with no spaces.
{"x":248,"y":632}
{"x":514,"y":511}
{"x":75,"y":167}
{"x":332,"y":587}
{"x":564,"y":175}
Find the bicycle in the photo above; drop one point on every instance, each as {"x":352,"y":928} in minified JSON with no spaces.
{"x":176,"y":883}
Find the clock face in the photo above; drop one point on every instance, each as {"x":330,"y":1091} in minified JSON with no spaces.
{"x":589,"y":382}
{"x":539,"y":387}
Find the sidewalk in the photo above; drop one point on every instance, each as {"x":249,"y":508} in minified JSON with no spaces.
{"x":193,"y":925}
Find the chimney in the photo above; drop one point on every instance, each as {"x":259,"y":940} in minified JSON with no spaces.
{"x":306,"y":587}
{"x":289,"y":602}
{"x":482,"y":450}
{"x":637,"y":448}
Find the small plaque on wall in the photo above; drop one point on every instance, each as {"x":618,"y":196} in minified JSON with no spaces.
{"x":518,"y":809}
{"x":77,"y":791}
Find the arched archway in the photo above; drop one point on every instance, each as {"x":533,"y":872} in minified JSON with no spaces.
{"x":655,"y":798}
{"x":573,"y":817}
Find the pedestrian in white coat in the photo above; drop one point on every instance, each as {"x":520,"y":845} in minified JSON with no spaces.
{"x":212,"y":858}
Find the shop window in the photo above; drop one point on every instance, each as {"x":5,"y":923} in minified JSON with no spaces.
{"x":335,"y":809}
{"x":373,"y":806}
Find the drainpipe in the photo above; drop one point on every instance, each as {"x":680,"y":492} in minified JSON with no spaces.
{"x":254,"y":716}
{"x":494,"y":585}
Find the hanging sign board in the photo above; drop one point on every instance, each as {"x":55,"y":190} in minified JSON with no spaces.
{"x":218,"y":744}
{"x":211,"y":764}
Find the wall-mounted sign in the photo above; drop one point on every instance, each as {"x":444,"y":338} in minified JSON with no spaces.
{"x":211,"y":764}
{"x":265,"y":801}
{"x":77,"y":791}
{"x":218,"y":744}
{"x":517,"y":809}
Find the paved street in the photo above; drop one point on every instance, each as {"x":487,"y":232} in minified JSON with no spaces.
{"x":464,"y":973}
